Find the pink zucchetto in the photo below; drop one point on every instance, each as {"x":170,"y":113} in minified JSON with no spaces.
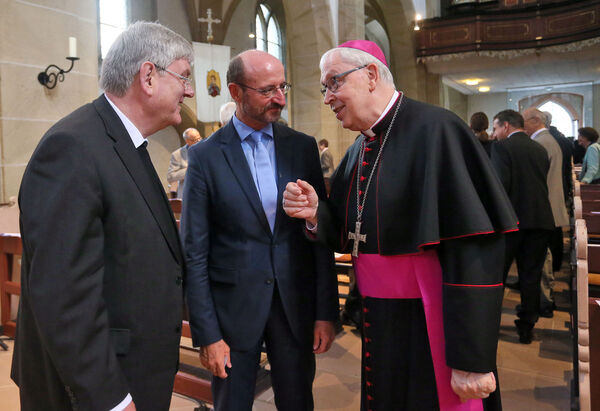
{"x":368,"y":47}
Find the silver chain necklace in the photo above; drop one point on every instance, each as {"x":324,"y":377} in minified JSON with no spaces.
{"x":356,"y":236}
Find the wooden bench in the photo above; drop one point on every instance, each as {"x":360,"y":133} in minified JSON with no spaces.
{"x":581,"y":316}
{"x":10,"y":253}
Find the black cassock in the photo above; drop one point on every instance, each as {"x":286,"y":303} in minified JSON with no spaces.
{"x":433,"y":187}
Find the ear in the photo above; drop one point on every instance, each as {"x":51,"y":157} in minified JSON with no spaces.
{"x":147,"y":78}
{"x":235,"y":91}
{"x":373,"y":75}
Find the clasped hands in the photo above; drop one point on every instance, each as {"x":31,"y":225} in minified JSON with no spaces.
{"x":472,"y":385}
{"x":300,"y":200}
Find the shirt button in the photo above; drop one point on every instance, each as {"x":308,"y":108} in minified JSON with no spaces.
{"x":178,"y":281}
{"x":269,"y":281}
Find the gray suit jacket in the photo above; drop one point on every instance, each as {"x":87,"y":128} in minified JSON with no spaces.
{"x":177,"y":168}
{"x":555,"y":184}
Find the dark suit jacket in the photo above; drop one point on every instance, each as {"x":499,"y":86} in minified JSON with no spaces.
{"x":567,"y":169}
{"x":234,"y":261}
{"x":101,"y":295}
{"x":522,"y":165}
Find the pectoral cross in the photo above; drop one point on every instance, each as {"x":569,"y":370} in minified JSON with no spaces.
{"x":357,"y":237}
{"x":210,"y":22}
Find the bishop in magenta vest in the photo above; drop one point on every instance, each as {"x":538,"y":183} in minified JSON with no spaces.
{"x":417,"y":203}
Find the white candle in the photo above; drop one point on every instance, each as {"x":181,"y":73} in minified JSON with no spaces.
{"x":72,"y":47}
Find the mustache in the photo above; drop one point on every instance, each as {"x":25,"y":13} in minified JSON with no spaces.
{"x":274,"y":105}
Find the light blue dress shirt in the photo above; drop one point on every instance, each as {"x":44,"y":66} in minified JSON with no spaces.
{"x":244,"y":132}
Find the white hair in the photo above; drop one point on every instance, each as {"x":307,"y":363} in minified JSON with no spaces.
{"x":548,"y":118}
{"x":226,"y":112}
{"x":359,"y":58}
{"x":141,"y":41}
{"x":186,"y":133}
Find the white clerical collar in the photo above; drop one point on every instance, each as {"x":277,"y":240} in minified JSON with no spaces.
{"x":369,"y":132}
{"x":134,"y":133}
{"x":534,"y":135}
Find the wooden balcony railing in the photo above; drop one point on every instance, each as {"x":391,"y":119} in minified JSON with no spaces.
{"x":510,"y":30}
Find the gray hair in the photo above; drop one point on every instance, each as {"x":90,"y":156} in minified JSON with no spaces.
{"x":187,"y":132}
{"x":359,"y":58}
{"x":141,"y":41}
{"x":548,"y":118}
{"x":226,"y":112}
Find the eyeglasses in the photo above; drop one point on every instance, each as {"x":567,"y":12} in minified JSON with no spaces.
{"x":271,"y":90}
{"x":333,"y":83}
{"x":187,"y":81}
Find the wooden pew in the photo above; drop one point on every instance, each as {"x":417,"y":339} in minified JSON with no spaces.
{"x":582,"y":316}
{"x":10,"y":252}
{"x":594,"y":318}
{"x":589,"y":206}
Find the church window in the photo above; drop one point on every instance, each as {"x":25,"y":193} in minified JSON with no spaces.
{"x":113,"y":20}
{"x":268,"y":32}
{"x":561,"y":119}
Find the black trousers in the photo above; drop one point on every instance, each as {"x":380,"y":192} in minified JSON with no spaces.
{"x":529,"y":248}
{"x":292,"y":369}
{"x":556,"y":248}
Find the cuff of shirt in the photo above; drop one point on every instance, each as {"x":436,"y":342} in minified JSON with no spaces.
{"x":311,"y":228}
{"x":123,"y":404}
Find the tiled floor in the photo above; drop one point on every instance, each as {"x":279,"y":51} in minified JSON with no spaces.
{"x":533,"y":377}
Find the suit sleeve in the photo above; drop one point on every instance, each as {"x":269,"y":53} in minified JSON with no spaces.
{"x":327,"y":304}
{"x":175,"y":172}
{"x":472,"y":300}
{"x":63,"y":237}
{"x":195,"y":233}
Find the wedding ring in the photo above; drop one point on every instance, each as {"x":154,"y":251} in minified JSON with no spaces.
{"x":283,"y":202}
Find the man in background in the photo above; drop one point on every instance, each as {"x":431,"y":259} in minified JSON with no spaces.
{"x":179,"y":162}
{"x":535,"y":127}
{"x":226,"y":112}
{"x":100,"y":312}
{"x":522,"y":165}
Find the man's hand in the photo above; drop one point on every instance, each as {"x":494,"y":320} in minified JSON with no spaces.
{"x":215,"y":357}
{"x":324,"y":336}
{"x":472,"y":385}
{"x":130,"y":407}
{"x":300,"y":200}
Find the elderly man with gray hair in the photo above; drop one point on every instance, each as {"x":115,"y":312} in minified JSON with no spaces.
{"x":179,"y":162}
{"x":100,"y":312}
{"x":417,"y":203}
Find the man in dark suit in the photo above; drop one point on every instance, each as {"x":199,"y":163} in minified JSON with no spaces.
{"x":100,"y":311}
{"x":522,"y":165}
{"x":252,"y":274}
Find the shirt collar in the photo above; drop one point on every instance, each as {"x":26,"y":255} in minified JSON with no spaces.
{"x":134,"y":133}
{"x":514,"y":132}
{"x":534,"y":135}
{"x":369,"y":132}
{"x":245,"y":130}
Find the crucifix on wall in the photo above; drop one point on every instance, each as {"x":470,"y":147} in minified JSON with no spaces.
{"x":210,"y":21}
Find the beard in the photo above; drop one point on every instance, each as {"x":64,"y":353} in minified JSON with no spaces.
{"x":262,"y":114}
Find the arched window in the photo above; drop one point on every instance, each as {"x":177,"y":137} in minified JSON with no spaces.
{"x":561,"y":119}
{"x":268,"y":32}
{"x":112,"y":20}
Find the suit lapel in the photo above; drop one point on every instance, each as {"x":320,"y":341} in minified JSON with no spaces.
{"x":232,"y":150}
{"x":157,"y":203}
{"x":284,"y":155}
